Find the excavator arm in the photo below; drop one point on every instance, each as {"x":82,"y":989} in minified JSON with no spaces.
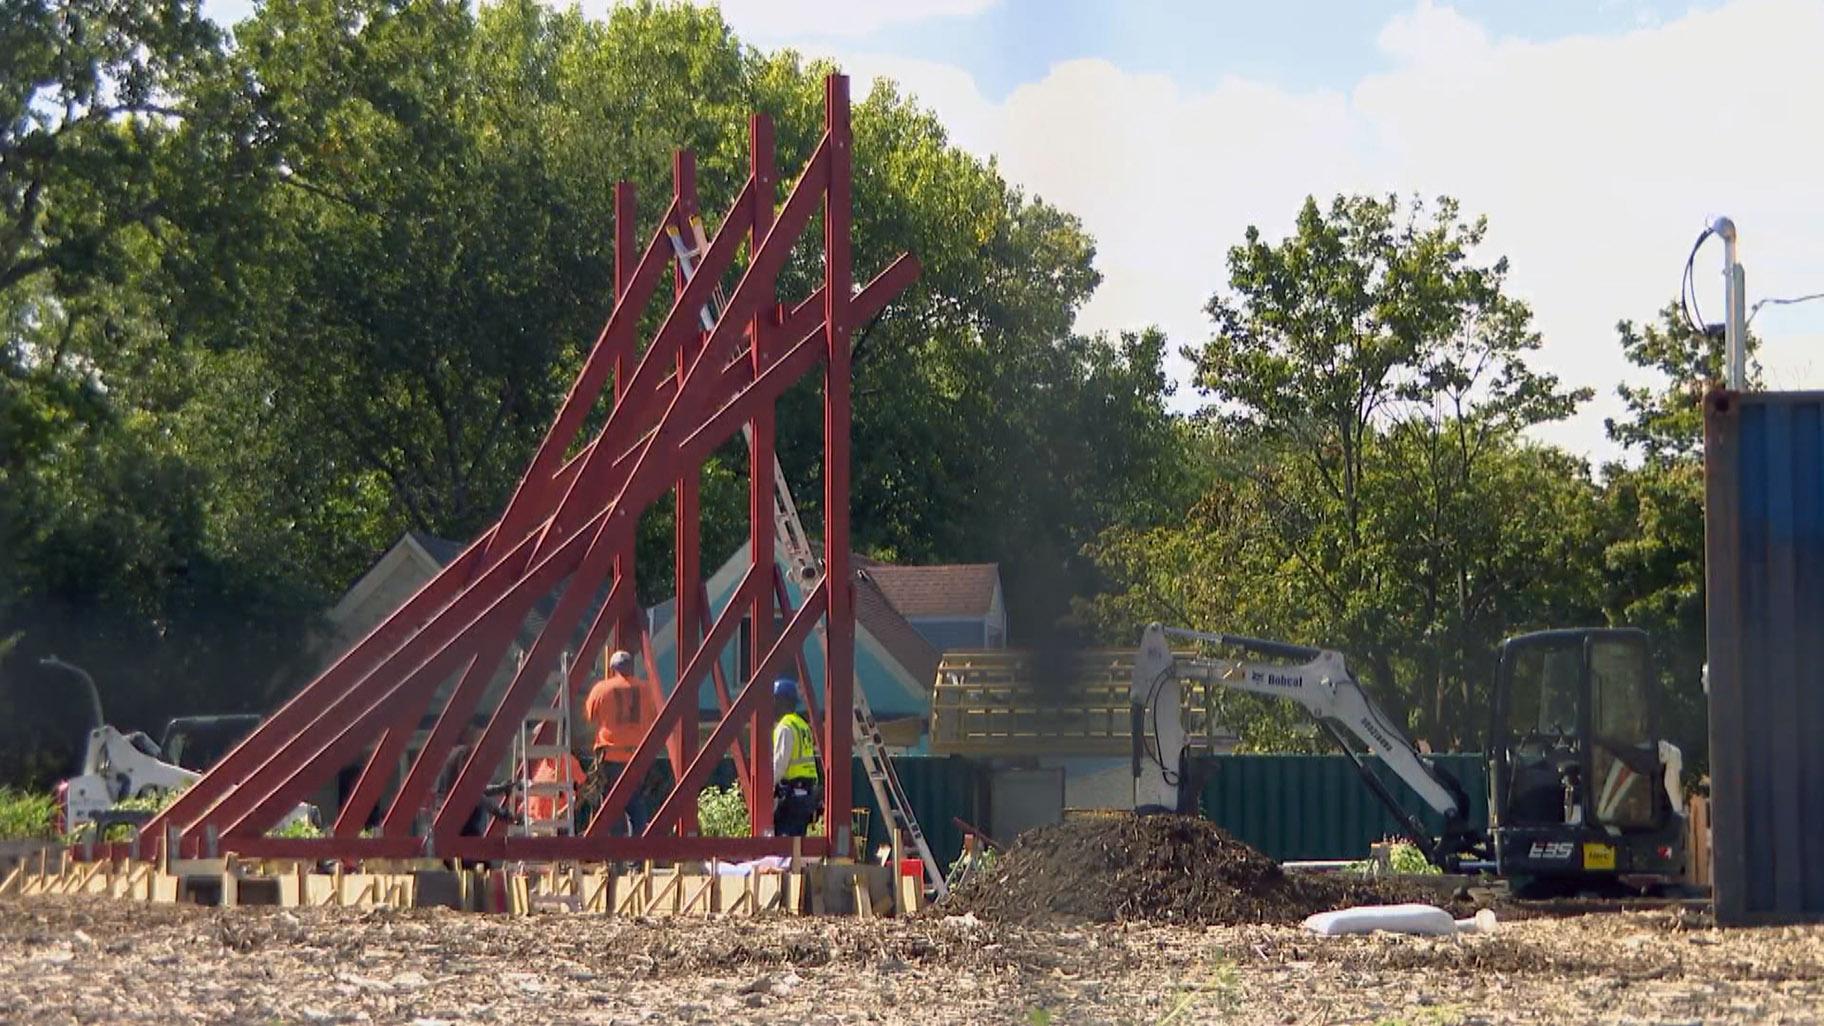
{"x":1316,"y":679}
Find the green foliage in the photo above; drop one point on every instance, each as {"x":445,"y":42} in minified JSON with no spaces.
{"x":969,"y":865}
{"x":1367,"y":482}
{"x":1408,"y":859}
{"x":1653,"y":516}
{"x":150,"y":801}
{"x":27,"y":815}
{"x":288,"y":298}
{"x":722,"y":812}
{"x":297,"y":828}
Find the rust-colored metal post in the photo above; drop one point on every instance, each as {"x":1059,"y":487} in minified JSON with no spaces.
{"x":839,"y":653}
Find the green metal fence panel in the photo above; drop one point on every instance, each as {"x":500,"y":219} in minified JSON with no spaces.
{"x":940,"y":789}
{"x":1317,"y":807}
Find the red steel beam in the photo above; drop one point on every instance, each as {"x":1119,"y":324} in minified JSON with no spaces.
{"x":346,"y":674}
{"x":687,"y":572}
{"x":761,"y":454}
{"x":839,"y":650}
{"x":659,"y":451}
{"x":569,"y":527}
{"x":492,"y":643}
{"x":683,"y":698}
{"x":684,"y":795}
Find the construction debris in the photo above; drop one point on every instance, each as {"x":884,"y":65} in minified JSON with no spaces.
{"x":1119,"y":867}
{"x":182,"y":964}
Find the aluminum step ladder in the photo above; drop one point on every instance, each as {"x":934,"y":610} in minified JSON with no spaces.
{"x":889,"y":795}
{"x":529,"y":751}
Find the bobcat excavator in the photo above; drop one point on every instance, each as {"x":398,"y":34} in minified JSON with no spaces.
{"x":1584,"y":793}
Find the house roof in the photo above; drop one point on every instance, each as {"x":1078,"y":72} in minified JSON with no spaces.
{"x":875,"y":613}
{"x":443,"y":550}
{"x":953,"y":590}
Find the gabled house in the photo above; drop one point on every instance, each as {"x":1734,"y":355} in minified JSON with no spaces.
{"x":894,"y":665}
{"x":952,"y":606}
{"x":399,"y":572}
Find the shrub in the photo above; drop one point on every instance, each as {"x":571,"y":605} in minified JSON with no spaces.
{"x":300,"y":827}
{"x":1407,"y":858}
{"x":27,"y":815}
{"x":722,"y":812}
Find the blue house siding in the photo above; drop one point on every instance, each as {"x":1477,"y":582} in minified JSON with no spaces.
{"x":888,"y":697}
{"x":948,"y":635}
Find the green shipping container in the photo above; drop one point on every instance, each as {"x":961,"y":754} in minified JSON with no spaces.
{"x":1297,"y":807}
{"x":940,"y":789}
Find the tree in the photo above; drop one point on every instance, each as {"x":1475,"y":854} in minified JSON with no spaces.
{"x":339,"y":274}
{"x":116,"y":116}
{"x":1654,"y":551}
{"x":1370,"y":388}
{"x":111,"y":554}
{"x":438,"y":258}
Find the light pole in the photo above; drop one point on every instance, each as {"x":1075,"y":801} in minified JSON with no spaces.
{"x":1735,"y":294}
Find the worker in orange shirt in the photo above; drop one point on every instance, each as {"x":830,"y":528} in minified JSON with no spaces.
{"x":619,"y":707}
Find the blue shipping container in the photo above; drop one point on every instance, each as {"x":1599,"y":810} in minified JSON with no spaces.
{"x":1764,"y":611}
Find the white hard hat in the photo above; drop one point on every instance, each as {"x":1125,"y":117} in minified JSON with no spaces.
{"x":620,"y":658}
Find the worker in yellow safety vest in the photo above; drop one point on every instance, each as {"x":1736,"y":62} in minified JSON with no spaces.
{"x":798,"y":791}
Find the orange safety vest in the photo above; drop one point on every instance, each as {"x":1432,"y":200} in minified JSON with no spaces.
{"x":618,"y":708}
{"x":546,"y":772}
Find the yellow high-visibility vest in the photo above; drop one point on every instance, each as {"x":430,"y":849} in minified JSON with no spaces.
{"x":804,"y":754}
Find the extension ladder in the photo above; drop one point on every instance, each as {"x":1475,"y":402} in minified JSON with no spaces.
{"x":889,"y":795}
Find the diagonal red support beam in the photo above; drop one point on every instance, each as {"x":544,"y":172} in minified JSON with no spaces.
{"x":682,"y":700}
{"x":492,"y":643}
{"x":684,"y":795}
{"x":569,"y":529}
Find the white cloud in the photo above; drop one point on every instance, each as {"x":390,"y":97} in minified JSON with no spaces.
{"x":758,"y":19}
{"x":1596,"y":160}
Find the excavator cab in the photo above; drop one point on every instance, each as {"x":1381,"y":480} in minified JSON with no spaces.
{"x":1584,"y":791}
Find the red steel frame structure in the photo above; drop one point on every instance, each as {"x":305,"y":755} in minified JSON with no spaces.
{"x":569,"y":531}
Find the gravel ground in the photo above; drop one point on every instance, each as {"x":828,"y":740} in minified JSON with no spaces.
{"x":91,"y":960}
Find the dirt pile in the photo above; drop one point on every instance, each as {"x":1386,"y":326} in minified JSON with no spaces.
{"x":1125,"y":868}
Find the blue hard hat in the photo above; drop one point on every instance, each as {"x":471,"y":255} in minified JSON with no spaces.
{"x":785,"y":687}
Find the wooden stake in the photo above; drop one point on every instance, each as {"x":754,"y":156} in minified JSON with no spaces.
{"x":864,"y":904}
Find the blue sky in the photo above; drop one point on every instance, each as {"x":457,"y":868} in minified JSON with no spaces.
{"x":1596,"y":136}
{"x":1294,"y":45}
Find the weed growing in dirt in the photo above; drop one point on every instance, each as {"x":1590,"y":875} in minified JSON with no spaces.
{"x":722,"y":811}
{"x":1220,"y":994}
{"x":1403,"y":859}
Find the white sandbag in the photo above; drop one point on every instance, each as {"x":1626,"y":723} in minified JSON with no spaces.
{"x":1426,"y":920}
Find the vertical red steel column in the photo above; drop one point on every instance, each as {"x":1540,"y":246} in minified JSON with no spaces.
{"x":687,"y":566}
{"x":839,"y":653}
{"x":625,"y":259}
{"x":762,"y":540}
{"x":566,"y":522}
{"x":627,"y":632}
